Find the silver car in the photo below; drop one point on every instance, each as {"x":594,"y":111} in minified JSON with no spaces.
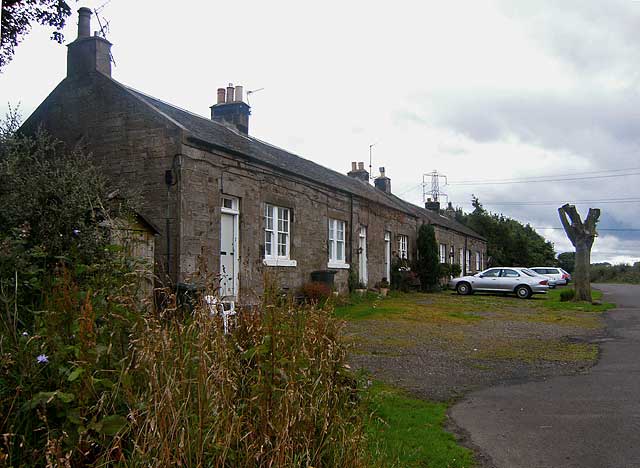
{"x":560,"y":276}
{"x":521,"y":281}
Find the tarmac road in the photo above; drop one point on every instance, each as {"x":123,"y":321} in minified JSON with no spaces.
{"x":585,"y":421}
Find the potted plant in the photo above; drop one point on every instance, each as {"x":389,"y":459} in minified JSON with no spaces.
{"x":383,"y":287}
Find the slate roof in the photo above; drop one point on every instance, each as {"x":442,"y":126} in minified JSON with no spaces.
{"x":219,"y":135}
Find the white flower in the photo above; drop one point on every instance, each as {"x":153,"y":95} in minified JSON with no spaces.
{"x":42,"y":359}
{"x":76,"y":232}
{"x":24,"y":333}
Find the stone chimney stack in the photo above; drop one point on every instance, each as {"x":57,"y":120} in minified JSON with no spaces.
{"x":230,"y":110}
{"x":449,"y":211}
{"x":382,"y":182}
{"x":358,"y":172}
{"x":432,"y":205}
{"x":88,"y":53}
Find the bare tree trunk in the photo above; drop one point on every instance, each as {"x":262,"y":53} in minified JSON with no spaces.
{"x":582,"y":237}
{"x":581,"y":274}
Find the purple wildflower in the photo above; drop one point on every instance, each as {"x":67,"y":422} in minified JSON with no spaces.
{"x":42,"y":359}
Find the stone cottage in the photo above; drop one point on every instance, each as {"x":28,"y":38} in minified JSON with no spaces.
{"x":227,"y":201}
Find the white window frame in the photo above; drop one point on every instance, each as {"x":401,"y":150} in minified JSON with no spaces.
{"x":334,"y":241}
{"x":443,"y":253}
{"x":272,"y":235}
{"x":478,"y":262}
{"x":452,"y":255}
{"x":468,"y":262}
{"x":461,"y":255}
{"x":403,"y":246}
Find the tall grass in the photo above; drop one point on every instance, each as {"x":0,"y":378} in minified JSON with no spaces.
{"x":274,"y":392}
{"x":144,"y":388}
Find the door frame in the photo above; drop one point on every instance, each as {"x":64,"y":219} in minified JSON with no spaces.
{"x":234,"y":211}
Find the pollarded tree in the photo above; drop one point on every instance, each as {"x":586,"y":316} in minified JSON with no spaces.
{"x":581,"y":236}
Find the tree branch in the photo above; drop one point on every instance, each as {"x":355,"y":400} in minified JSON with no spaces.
{"x":590,"y":222}
{"x":568,"y":227}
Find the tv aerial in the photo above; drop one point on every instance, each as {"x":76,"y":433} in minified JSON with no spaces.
{"x":249,"y":93}
{"x":104,"y":25}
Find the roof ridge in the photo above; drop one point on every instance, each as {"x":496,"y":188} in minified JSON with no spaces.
{"x":390,"y":198}
{"x":187,"y":111}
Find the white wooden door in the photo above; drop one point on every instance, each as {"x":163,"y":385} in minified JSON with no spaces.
{"x":387,"y":256}
{"x":362,"y":248}
{"x":228,"y":271}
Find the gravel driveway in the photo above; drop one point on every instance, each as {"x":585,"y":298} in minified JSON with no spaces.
{"x":442,"y":346}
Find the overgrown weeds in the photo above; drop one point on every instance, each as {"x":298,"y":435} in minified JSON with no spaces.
{"x":97,"y":384}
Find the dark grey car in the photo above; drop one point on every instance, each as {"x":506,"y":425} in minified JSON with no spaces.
{"x":520,"y":281}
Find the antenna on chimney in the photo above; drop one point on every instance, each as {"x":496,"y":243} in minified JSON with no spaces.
{"x":370,"y":159}
{"x":104,"y":28}
{"x":249,"y":93}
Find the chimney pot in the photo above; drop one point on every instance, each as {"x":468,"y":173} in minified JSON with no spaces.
{"x":221,"y":96}
{"x":84,"y":22}
{"x":230,"y":92}
{"x":354,"y":166}
{"x":233,"y":113}
{"x":361,"y":166}
{"x":382,"y":172}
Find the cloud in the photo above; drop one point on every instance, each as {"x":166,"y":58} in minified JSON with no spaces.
{"x":602,"y":127}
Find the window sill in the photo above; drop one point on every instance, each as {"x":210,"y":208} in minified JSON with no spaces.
{"x":279,"y":262}
{"x":338,"y":265}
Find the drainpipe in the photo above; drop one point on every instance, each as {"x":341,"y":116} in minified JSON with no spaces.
{"x":351,"y":230}
{"x":168,"y":180}
{"x":464,"y":261}
{"x":171,"y":178}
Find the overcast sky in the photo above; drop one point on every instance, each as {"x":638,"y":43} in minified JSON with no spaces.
{"x":481,"y":91}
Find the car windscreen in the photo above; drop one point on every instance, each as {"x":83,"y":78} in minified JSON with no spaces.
{"x":529,"y":272}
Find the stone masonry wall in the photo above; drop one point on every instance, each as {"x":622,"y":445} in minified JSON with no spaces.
{"x":207,"y":176}
{"x":129,"y":142}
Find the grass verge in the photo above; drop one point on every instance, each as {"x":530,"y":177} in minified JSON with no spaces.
{"x":404,"y":431}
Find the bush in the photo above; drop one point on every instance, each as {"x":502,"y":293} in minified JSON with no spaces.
{"x":426,"y":266}
{"x":455,"y":270}
{"x":444,"y":270}
{"x":402,"y":276}
{"x":567,"y":295}
{"x":315,"y":291}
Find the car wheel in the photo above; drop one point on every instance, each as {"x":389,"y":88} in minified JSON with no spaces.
{"x":463,"y":289}
{"x":523,"y":292}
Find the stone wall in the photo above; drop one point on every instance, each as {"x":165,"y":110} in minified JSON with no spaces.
{"x":207,"y":176}
{"x":131,"y":143}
